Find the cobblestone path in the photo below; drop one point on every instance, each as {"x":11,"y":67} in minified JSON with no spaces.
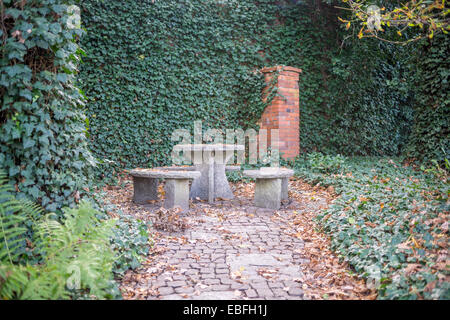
{"x":246,"y":255}
{"x":231,"y":250}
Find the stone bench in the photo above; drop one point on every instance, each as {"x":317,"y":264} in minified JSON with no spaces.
{"x":198,"y":185}
{"x":270,"y":187}
{"x":232,"y":168}
{"x":190,"y":168}
{"x":145,"y":183}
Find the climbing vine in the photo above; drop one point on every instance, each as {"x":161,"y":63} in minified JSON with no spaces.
{"x":43,"y":134}
{"x":155,"y":66}
{"x":430,"y":132}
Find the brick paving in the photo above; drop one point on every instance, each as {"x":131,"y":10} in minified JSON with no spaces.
{"x":232,"y":250}
{"x":243,"y":256}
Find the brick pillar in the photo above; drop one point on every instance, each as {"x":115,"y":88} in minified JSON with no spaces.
{"x":283,"y":113}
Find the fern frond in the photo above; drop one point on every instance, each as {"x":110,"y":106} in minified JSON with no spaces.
{"x":13,"y":280}
{"x":78,"y":241}
{"x":31,"y":210}
{"x":11,"y":224}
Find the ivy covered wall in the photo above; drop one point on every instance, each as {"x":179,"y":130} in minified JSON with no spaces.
{"x":430,"y":132}
{"x":43,"y":145}
{"x":354,"y":97}
{"x":154,"y":66}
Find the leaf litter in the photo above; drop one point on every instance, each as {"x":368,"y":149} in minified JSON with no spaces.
{"x":323,"y":275}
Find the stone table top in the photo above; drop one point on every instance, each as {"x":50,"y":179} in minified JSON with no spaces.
{"x":175,"y":168}
{"x":280,"y":173}
{"x":209,"y":147}
{"x":168,"y":174}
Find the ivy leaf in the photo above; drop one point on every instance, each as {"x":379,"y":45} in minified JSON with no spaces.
{"x":28,"y":143}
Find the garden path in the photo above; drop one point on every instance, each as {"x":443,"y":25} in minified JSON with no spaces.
{"x":233,"y":250}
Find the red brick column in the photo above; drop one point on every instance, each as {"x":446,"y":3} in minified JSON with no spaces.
{"x":283,"y":113}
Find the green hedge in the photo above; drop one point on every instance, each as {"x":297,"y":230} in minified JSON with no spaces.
{"x":43,"y":133}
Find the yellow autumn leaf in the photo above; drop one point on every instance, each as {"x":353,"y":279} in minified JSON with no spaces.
{"x":416,"y":244}
{"x":360,"y":34}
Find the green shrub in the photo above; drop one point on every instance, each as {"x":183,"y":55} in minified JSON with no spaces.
{"x":319,"y":162}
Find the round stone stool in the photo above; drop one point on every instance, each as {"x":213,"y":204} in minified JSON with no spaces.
{"x":270,"y":187}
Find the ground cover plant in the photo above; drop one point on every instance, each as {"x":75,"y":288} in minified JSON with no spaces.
{"x":390,"y":223}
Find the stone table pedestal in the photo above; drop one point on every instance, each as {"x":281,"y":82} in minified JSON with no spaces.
{"x":210,"y":160}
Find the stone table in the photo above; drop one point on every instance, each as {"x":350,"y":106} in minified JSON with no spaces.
{"x":210,"y":160}
{"x":271,"y":186}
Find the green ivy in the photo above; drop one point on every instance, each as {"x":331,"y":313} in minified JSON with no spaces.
{"x":389,"y":224}
{"x":430,"y":133}
{"x":43,"y":130}
{"x":155,"y":66}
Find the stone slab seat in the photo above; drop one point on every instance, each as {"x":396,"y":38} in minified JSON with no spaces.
{"x":213,"y":183}
{"x":232,"y":168}
{"x":270,"y":188}
{"x":145,"y":183}
{"x":190,"y":168}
